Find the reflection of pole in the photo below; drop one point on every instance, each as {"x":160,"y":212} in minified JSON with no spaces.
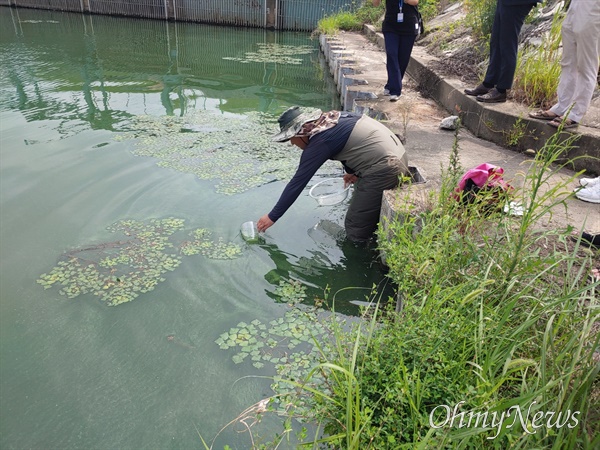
{"x":172,"y":80}
{"x":271,"y":9}
{"x":89,"y":72}
{"x":269,"y":76}
{"x":85,"y":6}
{"x":170,"y":10}
{"x":15,"y":22}
{"x":92,"y":71}
{"x":165,"y":98}
{"x":88,"y":25}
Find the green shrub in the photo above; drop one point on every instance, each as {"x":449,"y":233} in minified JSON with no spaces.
{"x":340,"y":21}
{"x":349,"y":21}
{"x":480,"y":17}
{"x":430,"y":8}
{"x":368,"y":14}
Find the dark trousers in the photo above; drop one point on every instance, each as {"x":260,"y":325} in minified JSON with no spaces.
{"x":504,"y":44}
{"x":398,"y":48}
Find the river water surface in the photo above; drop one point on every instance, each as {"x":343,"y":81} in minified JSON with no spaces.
{"x":161,"y":129}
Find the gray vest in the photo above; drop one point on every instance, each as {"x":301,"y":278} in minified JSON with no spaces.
{"x":373,"y":147}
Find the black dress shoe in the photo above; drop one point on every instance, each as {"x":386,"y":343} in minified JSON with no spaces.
{"x":479,"y":90}
{"x":493,"y":96}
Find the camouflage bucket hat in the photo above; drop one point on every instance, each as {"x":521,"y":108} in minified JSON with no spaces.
{"x":291,"y":121}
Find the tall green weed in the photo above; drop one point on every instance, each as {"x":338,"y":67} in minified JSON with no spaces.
{"x":480,"y":17}
{"x":498,"y":316}
{"x":538,"y":69}
{"x":355,"y":19}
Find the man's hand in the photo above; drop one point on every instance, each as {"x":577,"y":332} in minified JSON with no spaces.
{"x":263,"y":223}
{"x":349,"y":179}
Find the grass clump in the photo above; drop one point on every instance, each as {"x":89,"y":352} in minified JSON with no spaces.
{"x":480,"y":17}
{"x":341,"y":21}
{"x":350,"y":21}
{"x":538,"y":69}
{"x":369,"y":14}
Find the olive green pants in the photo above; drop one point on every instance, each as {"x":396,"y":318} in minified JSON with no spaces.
{"x":365,"y":208}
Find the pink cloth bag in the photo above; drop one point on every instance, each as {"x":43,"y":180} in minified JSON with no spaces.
{"x":484,"y":175}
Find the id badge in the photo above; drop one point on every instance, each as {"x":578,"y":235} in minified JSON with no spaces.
{"x":400,"y":17}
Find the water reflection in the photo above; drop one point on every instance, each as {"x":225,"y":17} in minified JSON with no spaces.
{"x":350,"y":272}
{"x":102,"y":69}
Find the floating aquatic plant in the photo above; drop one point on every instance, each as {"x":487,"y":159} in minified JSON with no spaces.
{"x":290,"y":291}
{"x":275,"y":53}
{"x":287,"y":344}
{"x":235,"y":151}
{"x":119,"y":271}
{"x":201,"y":244}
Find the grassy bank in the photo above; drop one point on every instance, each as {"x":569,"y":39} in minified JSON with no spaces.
{"x":494,"y":347}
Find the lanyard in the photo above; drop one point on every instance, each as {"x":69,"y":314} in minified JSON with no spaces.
{"x":400,"y":4}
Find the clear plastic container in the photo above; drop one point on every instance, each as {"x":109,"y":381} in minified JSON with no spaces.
{"x":250,"y":232}
{"x":329,"y":192}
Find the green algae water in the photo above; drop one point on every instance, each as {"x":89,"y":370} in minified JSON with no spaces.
{"x":131,"y":153}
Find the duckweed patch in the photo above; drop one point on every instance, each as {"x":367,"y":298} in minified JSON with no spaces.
{"x":202,"y":243}
{"x":292,"y":345}
{"x":274,"y":53}
{"x":234,"y":151}
{"x":119,"y":271}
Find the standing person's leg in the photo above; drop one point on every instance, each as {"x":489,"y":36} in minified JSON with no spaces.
{"x":405,"y":46}
{"x":568,"y":71}
{"x":586,"y":28}
{"x":493,"y":70}
{"x":510,"y":28}
{"x":393,"y":85}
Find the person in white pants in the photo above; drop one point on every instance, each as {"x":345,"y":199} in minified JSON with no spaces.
{"x":579,"y":65}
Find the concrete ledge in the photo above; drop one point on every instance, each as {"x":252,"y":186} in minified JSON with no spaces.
{"x":506,"y":124}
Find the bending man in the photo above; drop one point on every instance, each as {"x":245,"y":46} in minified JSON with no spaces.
{"x":373,"y":158}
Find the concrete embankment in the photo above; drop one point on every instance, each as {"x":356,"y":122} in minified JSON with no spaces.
{"x":500,"y":134}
